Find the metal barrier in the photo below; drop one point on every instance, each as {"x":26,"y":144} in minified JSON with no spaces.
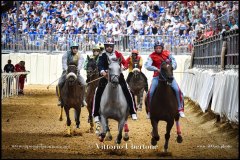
{"x":29,"y":43}
{"x":10,"y":85}
{"x":210,"y":53}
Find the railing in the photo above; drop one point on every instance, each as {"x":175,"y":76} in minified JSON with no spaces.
{"x":218,"y":52}
{"x":29,"y":43}
{"x":10,"y":85}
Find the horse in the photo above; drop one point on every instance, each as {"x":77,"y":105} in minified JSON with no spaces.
{"x":92,"y":74}
{"x":137,"y":84}
{"x":164,"y":106}
{"x":113,"y":104}
{"x":72,"y":94}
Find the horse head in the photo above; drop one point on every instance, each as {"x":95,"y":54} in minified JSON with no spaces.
{"x":136,"y":72}
{"x":114,"y":71}
{"x":71,"y":74}
{"x":166,"y":72}
{"x":91,"y":67}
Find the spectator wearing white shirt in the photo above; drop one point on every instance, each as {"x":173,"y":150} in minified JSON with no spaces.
{"x":138,"y":24}
{"x":130,"y":16}
{"x":234,"y":25}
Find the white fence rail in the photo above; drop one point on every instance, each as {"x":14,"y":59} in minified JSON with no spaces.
{"x":10,"y":85}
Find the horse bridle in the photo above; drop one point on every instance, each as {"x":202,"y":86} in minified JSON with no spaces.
{"x":93,"y":72}
{"x":163,"y":74}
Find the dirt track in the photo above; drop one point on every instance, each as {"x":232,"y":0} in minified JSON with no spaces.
{"x":30,"y":129}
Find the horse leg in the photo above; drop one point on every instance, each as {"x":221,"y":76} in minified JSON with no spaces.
{"x":120,"y":128}
{"x":68,"y":121}
{"x":104,"y":128}
{"x":77,"y":116}
{"x":141,"y":99}
{"x":60,"y":116}
{"x":179,"y":137}
{"x":167,"y":135}
{"x":126,"y":130}
{"x":155,"y":135}
{"x":138,"y":101}
{"x":90,"y":120}
{"x":108,"y":135}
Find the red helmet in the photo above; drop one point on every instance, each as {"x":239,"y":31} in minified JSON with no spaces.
{"x":135,"y":51}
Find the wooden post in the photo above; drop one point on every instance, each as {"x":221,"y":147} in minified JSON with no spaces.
{"x":192,"y":57}
{"x":223,"y":52}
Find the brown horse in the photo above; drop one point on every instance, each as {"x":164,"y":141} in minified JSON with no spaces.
{"x":72,"y":94}
{"x":164,"y":106}
{"x":137,"y":84}
{"x":92,"y":74}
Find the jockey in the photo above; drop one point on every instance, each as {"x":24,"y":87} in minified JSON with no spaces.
{"x":153,"y":63}
{"x":72,"y":56}
{"x":103,"y":68}
{"x":96,"y":51}
{"x":135,"y":59}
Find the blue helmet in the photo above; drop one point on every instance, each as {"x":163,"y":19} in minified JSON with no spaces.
{"x":158,"y":43}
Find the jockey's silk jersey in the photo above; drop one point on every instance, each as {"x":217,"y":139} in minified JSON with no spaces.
{"x":131,"y":62}
{"x":68,"y":58}
{"x":73,"y":59}
{"x":157,"y":60}
{"x":103,"y":63}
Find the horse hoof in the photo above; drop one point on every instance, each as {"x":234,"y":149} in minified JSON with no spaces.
{"x":179,"y":139}
{"x":153,"y":142}
{"x":100,"y":139}
{"x":125,"y":138}
{"x":118,"y":142}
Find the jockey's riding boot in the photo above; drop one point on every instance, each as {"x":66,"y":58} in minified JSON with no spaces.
{"x":182,"y":115}
{"x":134,"y":116}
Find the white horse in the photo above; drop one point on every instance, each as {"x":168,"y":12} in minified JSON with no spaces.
{"x":113,"y":104}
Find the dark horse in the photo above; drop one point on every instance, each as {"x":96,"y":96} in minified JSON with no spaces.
{"x":72,"y":94}
{"x":92,"y":75}
{"x":164,"y":106}
{"x":137,"y":84}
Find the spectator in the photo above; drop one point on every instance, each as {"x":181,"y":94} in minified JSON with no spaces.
{"x":20,"y":67}
{"x":234,"y":25}
{"x":9,"y":68}
{"x":200,"y":36}
{"x":227,"y":27}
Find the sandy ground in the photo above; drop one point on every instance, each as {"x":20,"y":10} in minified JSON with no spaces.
{"x":30,"y":129}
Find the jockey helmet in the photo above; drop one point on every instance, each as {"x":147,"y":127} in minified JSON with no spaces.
{"x":109,"y":40}
{"x":74,"y":44}
{"x":135,"y":51}
{"x":96,"y":47}
{"x":158,"y":43}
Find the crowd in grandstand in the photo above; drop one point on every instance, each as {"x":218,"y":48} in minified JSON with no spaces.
{"x":179,"y":18}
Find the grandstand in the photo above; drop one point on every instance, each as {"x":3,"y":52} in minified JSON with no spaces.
{"x":50,"y":26}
